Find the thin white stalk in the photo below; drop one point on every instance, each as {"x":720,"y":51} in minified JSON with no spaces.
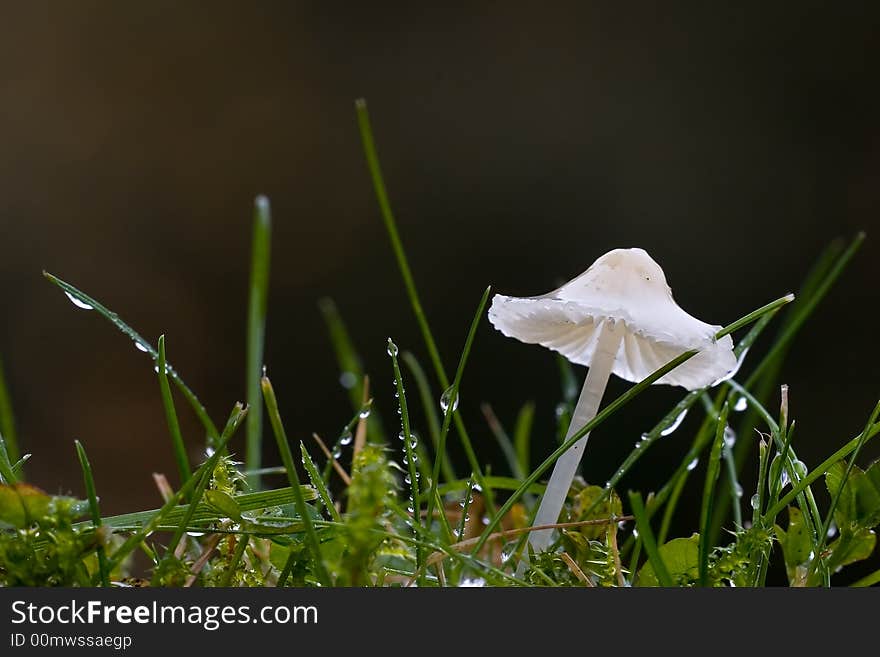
{"x":567,"y":464}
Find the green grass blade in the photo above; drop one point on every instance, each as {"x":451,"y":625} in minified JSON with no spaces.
{"x":608,"y":411}
{"x":319,"y":484}
{"x":204,"y":513}
{"x":408,"y":451}
{"x":453,"y":395}
{"x":287,"y":459}
{"x":643,"y":524}
{"x":89,"y":482}
{"x":258,"y":299}
{"x":7,"y":419}
{"x":375,"y":169}
{"x":235,"y":418}
{"x":83,"y":300}
{"x":183,"y":466}
{"x":503,"y":440}
{"x":712,"y":471}
{"x":429,"y":408}
{"x":7,"y":472}
{"x":237,"y":556}
{"x":868,"y":580}
{"x":820,"y":471}
{"x":155,"y":521}
{"x":522,"y":435}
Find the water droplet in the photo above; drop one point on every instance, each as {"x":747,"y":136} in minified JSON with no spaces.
{"x":345,"y":438}
{"x":800,"y":469}
{"x":740,"y":404}
{"x":407,"y":480}
{"x":365,"y":412}
{"x":392,"y":350}
{"x":560,"y":410}
{"x":413,"y":442}
{"x":693,"y":464}
{"x":401,"y":436}
{"x":140,"y":346}
{"x":729,"y":436}
{"x":675,"y":423}
{"x":784,"y":480}
{"x":337,"y":452}
{"x":195,"y":534}
{"x":347,"y":380}
{"x":738,"y":489}
{"x":475,"y":582}
{"x":79,"y":304}
{"x":635,"y":533}
{"x":447,"y":400}
{"x":638,"y":444}
{"x":832,"y":529}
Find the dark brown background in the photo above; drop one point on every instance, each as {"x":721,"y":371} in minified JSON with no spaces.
{"x":519,"y":144}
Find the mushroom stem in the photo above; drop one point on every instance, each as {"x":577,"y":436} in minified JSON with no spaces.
{"x":566,"y":466}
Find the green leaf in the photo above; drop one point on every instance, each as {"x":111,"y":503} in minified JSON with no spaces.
{"x":851,"y":547}
{"x":859,"y":503}
{"x":796,"y":543}
{"x":224,"y":503}
{"x":682,"y":559}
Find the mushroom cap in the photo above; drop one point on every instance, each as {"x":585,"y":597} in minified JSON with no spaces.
{"x":623,"y":287}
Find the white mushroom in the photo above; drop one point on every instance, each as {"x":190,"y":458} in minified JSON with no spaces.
{"x":617,"y":317}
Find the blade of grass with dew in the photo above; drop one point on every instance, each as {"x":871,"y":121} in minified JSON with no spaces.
{"x":412,"y":478}
{"x":672,"y":489}
{"x":429,"y":408}
{"x":350,"y":366}
{"x":183,"y":465}
{"x":258,"y":299}
{"x":643,"y":524}
{"x":156,"y":519}
{"x":712,"y":471}
{"x":375,"y":169}
{"x":614,"y":406}
{"x":346,"y":435}
{"x":674,"y":417}
{"x":808,"y":501}
{"x":7,"y":419}
{"x":452,"y":405}
{"x":319,"y":483}
{"x":84,"y":301}
{"x":89,"y":482}
{"x":817,"y":472}
{"x":311,"y":535}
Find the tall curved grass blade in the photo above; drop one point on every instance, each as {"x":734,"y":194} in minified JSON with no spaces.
{"x":375,"y":169}
{"x":258,"y":299}
{"x":83,"y":300}
{"x":183,"y":466}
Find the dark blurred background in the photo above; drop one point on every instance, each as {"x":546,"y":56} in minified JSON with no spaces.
{"x":519,"y":143}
